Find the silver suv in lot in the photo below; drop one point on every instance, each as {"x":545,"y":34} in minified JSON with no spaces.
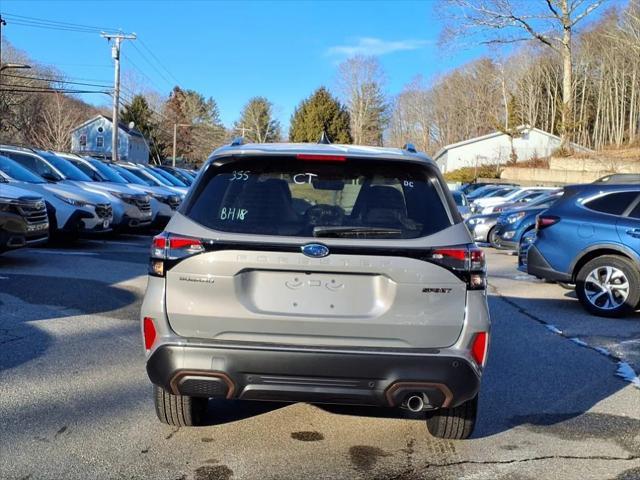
{"x":318,"y":273}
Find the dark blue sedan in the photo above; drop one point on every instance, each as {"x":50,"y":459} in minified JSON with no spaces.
{"x":591,"y":238}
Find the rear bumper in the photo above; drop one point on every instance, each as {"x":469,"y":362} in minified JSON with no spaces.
{"x":537,"y":265}
{"x":299,"y":375}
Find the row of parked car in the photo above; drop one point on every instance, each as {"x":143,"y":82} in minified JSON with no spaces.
{"x":45,"y":194}
{"x":584,"y":236}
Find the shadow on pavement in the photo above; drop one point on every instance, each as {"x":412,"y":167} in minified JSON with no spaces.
{"x":536,"y":378}
{"x":28,"y":298}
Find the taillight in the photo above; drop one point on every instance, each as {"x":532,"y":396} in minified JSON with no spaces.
{"x":466,"y":262}
{"x":168,"y":247}
{"x":479,"y":347}
{"x":321,"y":158}
{"x":149,"y":332}
{"x":544,"y":221}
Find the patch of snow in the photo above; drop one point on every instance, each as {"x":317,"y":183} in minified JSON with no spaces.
{"x":577,"y":341}
{"x":626,"y":372}
{"x":554,"y":329}
{"x":603,"y":351}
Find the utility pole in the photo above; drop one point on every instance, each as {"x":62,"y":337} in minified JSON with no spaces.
{"x":2,"y":24}
{"x":115,"y":54}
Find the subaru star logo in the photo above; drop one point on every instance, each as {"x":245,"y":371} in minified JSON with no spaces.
{"x":315,"y":250}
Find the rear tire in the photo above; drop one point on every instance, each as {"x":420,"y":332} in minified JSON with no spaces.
{"x":594,"y":278}
{"x":179,"y":410}
{"x":455,"y":423}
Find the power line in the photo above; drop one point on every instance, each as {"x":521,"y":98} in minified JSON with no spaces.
{"x":47,"y":90}
{"x":157,"y":70}
{"x":144,"y":45}
{"x":54,"y":24}
{"x":133,"y":64}
{"x":56,"y":80}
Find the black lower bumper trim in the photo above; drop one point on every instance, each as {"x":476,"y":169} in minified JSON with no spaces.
{"x":312,"y":376}
{"x":537,"y":265}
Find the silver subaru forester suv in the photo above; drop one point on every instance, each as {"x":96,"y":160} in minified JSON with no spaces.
{"x":318,"y":273}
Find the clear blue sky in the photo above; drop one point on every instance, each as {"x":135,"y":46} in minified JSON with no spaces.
{"x":232,"y":51}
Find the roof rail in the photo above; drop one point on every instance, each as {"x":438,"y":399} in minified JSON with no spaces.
{"x":237,"y":142}
{"x":324,"y":138}
{"x":410,"y":147}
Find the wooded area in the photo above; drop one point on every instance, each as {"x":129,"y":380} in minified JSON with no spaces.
{"x":526,"y":86}
{"x":40,"y":106}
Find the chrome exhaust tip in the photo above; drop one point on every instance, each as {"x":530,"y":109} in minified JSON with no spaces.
{"x":415,"y":403}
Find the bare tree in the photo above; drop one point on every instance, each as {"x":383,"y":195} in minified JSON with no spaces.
{"x":550,"y":22}
{"x":360,"y":83}
{"x":59,"y":117}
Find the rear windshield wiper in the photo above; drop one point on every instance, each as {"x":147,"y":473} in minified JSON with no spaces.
{"x":356,"y":232}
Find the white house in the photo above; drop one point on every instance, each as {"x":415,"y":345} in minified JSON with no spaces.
{"x":93,"y":137}
{"x":495,"y":148}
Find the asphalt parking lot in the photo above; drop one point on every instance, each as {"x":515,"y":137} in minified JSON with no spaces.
{"x":75,"y":401}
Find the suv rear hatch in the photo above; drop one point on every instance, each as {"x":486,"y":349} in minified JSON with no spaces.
{"x":315,"y":251}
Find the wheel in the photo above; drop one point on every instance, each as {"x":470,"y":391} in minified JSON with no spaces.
{"x":179,"y":410}
{"x":609,"y":286}
{"x":455,"y":423}
{"x":492,"y":238}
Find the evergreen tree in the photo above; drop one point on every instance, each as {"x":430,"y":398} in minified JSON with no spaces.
{"x":320,"y":112}
{"x":139,"y":112}
{"x":256,"y":122}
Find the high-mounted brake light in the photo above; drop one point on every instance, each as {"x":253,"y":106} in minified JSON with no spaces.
{"x":171,"y":247}
{"x":309,"y":157}
{"x":479,"y":348}
{"x":544,"y":221}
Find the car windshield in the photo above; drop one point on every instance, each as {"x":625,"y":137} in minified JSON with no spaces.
{"x":498,"y":192}
{"x":168,"y":177}
{"x":544,"y":199}
{"x":108,"y":173}
{"x":479,"y":192}
{"x":355,"y":199}
{"x":130,"y":177}
{"x":459,"y":198}
{"x":16,"y":171}
{"x":68,"y":169}
{"x":160,"y":179}
{"x":145,"y":177}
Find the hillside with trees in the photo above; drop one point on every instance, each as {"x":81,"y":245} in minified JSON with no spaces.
{"x":526,"y":87}
{"x":556,"y":66}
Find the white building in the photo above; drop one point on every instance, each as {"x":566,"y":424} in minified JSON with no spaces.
{"x":495,"y":148}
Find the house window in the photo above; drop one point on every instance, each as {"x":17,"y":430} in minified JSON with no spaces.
{"x":83,"y":140}
{"x":99,"y":141}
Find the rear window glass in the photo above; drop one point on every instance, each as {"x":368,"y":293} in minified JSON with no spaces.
{"x":613,"y":203}
{"x":355,"y":199}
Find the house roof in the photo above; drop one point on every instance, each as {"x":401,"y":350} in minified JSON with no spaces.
{"x":444,"y":149}
{"x":122,"y":126}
